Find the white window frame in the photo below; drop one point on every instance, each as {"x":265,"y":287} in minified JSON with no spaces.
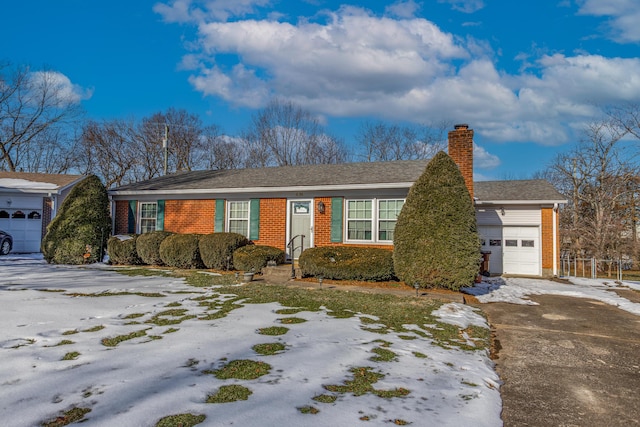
{"x":374,"y":219}
{"x":141,"y":218}
{"x":229,"y":218}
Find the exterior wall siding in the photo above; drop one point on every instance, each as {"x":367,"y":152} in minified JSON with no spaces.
{"x":189,"y":216}
{"x":273,"y":223}
{"x":121,"y":225}
{"x":522,"y":215}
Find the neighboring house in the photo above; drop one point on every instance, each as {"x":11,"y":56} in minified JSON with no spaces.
{"x":28,"y":202}
{"x":353,"y":204}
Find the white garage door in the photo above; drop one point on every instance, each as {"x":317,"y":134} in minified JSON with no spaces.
{"x":514,"y":250}
{"x":25,"y":226}
{"x":521,"y":251}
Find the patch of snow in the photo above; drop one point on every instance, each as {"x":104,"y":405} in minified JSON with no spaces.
{"x":26,"y":184}
{"x":144,"y":379}
{"x":517,"y":291}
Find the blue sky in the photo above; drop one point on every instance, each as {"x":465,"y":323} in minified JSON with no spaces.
{"x":525,"y":75}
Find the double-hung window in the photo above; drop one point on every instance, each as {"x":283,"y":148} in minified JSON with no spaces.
{"x":238,"y":218}
{"x":372,"y":220}
{"x":148,"y":217}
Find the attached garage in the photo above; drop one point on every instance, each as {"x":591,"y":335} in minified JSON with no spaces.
{"x":28,"y":202}
{"x":514,"y":250}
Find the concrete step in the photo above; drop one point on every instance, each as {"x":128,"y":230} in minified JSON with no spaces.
{"x":280,"y":273}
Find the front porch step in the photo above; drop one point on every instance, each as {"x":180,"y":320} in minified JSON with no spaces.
{"x":280,"y":273}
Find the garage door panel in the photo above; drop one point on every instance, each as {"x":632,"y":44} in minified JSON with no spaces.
{"x":25,"y":226}
{"x":514,"y":250}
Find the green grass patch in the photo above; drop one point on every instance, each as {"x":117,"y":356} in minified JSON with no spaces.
{"x":407,"y":337}
{"x":362,"y":383}
{"x":146,"y":272}
{"x":420,"y":355}
{"x":171,"y":330}
{"x":391,"y":311}
{"x":273,"y":330}
{"x":114,"y":341}
{"x":133,"y":315}
{"x":222,"y":308}
{"x":94,"y":329}
{"x":52,"y":290}
{"x":308,"y":410}
{"x":26,"y":342}
{"x":73,"y":415}
{"x":72,"y":355}
{"x":70,"y":332}
{"x":63,"y":342}
{"x":289,"y":310}
{"x":291,"y":320}
{"x":269,"y":349}
{"x":229,"y":393}
{"x":172,"y":316}
{"x":174,"y":304}
{"x":241,"y":370}
{"x":325,"y":398}
{"x":383,"y":355}
{"x":117,"y":294}
{"x":207,"y":280}
{"x":181,"y":420}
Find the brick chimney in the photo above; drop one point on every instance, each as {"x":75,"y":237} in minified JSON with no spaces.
{"x":461,"y":151}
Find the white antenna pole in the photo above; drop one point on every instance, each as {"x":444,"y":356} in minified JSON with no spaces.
{"x":165,"y":146}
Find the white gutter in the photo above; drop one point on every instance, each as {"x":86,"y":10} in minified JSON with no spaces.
{"x":555,"y":239}
{"x":520,"y":202}
{"x":300,"y":188}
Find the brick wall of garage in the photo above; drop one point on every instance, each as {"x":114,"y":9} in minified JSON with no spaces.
{"x":547,"y":241}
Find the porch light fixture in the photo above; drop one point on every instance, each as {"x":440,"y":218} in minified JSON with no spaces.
{"x":321,"y":207}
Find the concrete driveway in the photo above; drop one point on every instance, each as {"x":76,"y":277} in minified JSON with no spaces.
{"x":567,"y":362}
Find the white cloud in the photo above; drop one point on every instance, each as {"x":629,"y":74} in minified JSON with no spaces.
{"x":354,"y":63}
{"x":202,"y":10}
{"x":58,"y":85}
{"x":466,"y":6}
{"x":403,"y":9}
{"x":624,"y":17}
{"x":483,"y":159}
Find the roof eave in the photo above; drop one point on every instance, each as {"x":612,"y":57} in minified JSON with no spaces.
{"x":242,"y":190}
{"x":520,"y":202}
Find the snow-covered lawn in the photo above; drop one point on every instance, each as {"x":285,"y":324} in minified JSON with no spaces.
{"x":44,"y":318}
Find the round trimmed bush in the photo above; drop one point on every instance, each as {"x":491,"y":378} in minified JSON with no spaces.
{"x":181,"y":251}
{"x":255,"y":257}
{"x":348,"y":263}
{"x":148,"y":246}
{"x":216,"y":250}
{"x":122,"y":250}
{"x":79,"y":233}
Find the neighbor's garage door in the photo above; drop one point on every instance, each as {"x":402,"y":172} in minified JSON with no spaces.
{"x":25,"y":226}
{"x":514,"y":250}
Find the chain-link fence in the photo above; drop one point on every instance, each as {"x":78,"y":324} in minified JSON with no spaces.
{"x":595,"y":268}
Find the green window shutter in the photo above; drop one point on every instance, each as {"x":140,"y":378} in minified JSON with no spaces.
{"x":218,"y":226}
{"x":254,"y":219}
{"x":160,"y":216}
{"x":131,"y":217}
{"x":336,"y":219}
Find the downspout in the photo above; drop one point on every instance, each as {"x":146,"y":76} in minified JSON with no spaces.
{"x":555,"y":239}
{"x":112,"y":206}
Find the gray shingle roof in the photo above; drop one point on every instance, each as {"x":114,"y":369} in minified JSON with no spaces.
{"x":345,"y":174}
{"x":525,"y":190}
{"x":287,"y":176}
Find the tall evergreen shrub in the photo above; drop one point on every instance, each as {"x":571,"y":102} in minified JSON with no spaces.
{"x":436,"y":243}
{"x":79,"y":233}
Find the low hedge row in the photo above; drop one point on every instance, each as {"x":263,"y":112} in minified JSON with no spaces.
{"x":219,"y":251}
{"x":348,"y":263}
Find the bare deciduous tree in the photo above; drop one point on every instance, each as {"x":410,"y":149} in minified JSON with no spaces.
{"x":285,"y":134}
{"x":381,"y":142}
{"x":35,"y":107}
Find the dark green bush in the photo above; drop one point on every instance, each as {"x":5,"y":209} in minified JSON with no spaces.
{"x":348,"y":263}
{"x":81,"y":227}
{"x":217,"y":249}
{"x":436,"y":243}
{"x":148,"y":246}
{"x":181,"y":251}
{"x":122,"y":250}
{"x":255,"y":257}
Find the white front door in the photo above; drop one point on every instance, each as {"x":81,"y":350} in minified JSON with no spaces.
{"x":300,"y":227}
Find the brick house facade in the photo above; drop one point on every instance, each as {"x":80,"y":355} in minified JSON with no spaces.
{"x":344,"y":204}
